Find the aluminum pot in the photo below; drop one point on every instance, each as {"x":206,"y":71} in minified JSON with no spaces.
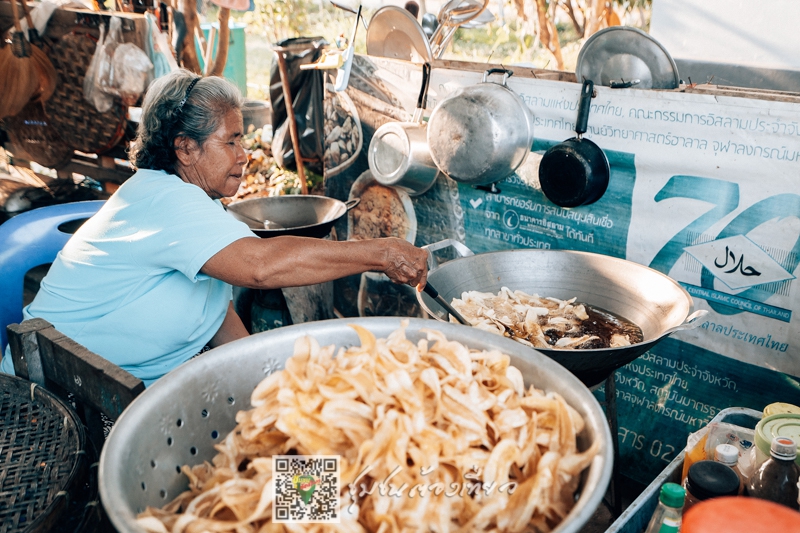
{"x":482,"y":133}
{"x":654,"y":302}
{"x":303,"y":215}
{"x":398,"y":153}
{"x":179,"y":419}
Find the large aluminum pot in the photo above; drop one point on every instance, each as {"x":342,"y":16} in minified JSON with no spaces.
{"x":482,"y":133}
{"x":180,"y":418}
{"x":654,"y":302}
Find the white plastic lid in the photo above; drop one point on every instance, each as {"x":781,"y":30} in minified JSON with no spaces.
{"x":726,"y":454}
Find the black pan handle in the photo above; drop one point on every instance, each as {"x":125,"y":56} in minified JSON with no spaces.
{"x":426,"y":79}
{"x":583,"y":107}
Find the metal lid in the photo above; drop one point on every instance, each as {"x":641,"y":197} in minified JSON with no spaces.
{"x":708,"y":479}
{"x":781,"y":425}
{"x":389,"y":151}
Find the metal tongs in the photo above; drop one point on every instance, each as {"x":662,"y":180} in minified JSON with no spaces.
{"x":433,"y":293}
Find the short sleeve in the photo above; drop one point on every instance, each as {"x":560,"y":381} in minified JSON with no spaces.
{"x":189,"y":229}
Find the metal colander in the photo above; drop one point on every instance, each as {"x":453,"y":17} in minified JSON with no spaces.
{"x":180,"y":418}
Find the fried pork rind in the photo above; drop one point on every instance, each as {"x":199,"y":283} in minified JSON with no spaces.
{"x":532,"y":320}
{"x":424,"y":416}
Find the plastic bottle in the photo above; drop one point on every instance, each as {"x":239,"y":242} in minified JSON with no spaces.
{"x":667,"y":517}
{"x":728,"y":455}
{"x":708,"y":479}
{"x":776,"y":479}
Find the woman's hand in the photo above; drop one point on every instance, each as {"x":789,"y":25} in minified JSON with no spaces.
{"x":405,"y":263}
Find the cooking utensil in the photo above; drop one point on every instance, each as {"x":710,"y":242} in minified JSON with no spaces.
{"x":384,"y":218}
{"x":619,"y":54}
{"x":394,"y":32}
{"x":482,"y":133}
{"x":398,"y":153}
{"x":429,"y":24}
{"x":181,"y":417}
{"x":452,"y":15}
{"x":575,"y":172}
{"x":343,"y":73}
{"x":292,"y":214}
{"x":649,"y":299}
{"x":486,"y":17}
{"x":349,"y":9}
{"x":433,"y":293}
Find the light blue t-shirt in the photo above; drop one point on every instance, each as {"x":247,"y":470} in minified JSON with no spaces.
{"x":128,"y":284}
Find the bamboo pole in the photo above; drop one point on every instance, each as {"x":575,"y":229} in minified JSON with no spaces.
{"x":287,"y":98}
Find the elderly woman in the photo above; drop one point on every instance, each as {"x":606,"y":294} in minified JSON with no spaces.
{"x":146,"y":282}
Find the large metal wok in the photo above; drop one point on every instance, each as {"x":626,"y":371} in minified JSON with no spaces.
{"x":180,"y":418}
{"x":651,"y":300}
{"x":303,"y":215}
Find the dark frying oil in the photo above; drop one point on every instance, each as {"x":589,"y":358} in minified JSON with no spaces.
{"x":604,"y":324}
{"x":601,"y":323}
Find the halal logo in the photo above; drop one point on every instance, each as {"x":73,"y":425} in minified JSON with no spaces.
{"x":305,"y":484}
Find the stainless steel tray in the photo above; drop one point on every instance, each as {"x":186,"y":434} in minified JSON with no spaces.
{"x":180,"y":418}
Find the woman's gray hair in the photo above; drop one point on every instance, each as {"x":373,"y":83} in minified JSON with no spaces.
{"x":164,"y":118}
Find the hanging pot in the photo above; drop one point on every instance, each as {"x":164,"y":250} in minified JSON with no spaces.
{"x":575,"y":172}
{"x":481,"y":134}
{"x":398,"y":152}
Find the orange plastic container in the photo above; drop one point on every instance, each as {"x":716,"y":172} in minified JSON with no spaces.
{"x":738,"y":514}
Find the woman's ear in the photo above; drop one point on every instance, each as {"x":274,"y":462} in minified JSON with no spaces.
{"x":185,"y":150}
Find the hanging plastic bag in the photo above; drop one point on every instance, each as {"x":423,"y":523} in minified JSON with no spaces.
{"x":91,"y":89}
{"x":105,"y":56}
{"x":158,"y":49}
{"x":130,"y":72}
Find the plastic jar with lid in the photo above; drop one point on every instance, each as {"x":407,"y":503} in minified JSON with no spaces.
{"x":709,"y":479}
{"x":779,"y":425}
{"x":779,"y":408}
{"x":728,"y":454}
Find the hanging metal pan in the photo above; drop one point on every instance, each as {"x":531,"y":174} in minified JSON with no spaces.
{"x":575,"y":172}
{"x":394,"y":32}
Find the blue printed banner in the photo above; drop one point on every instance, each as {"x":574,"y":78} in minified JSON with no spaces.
{"x":675,"y":389}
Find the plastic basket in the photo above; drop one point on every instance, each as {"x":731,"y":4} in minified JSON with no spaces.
{"x":636,"y":517}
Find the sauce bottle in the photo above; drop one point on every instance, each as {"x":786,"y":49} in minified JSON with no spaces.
{"x":709,"y":479}
{"x":776,"y":479}
{"x":728,"y":455}
{"x":667,"y":517}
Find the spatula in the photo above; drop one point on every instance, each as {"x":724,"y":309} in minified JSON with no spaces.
{"x":433,"y":293}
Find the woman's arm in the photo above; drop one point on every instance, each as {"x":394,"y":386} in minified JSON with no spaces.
{"x":230,"y":330}
{"x":295,"y":261}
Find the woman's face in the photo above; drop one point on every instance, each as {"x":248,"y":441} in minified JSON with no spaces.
{"x":218,"y":164}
